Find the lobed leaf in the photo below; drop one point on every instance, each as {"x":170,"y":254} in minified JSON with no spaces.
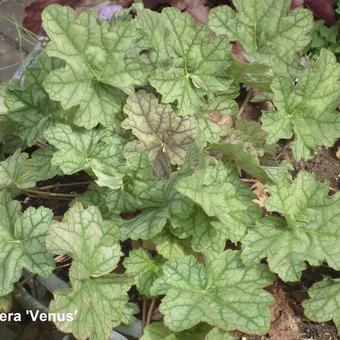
{"x":22,"y":244}
{"x":216,"y":293}
{"x":307,"y":231}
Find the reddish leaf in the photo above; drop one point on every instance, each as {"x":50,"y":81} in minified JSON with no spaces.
{"x":322,"y":9}
{"x":32,"y":19}
{"x":296,"y":4}
{"x":238,"y":53}
{"x":196,"y":8}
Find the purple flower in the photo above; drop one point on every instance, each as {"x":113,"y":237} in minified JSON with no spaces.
{"x":107,"y":12}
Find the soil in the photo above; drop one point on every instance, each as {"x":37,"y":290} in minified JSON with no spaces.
{"x":325,"y":166}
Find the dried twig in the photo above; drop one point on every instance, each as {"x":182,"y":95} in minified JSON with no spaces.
{"x":47,"y":194}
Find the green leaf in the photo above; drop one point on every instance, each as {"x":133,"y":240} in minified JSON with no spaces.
{"x":244,"y":155}
{"x":96,"y":304}
{"x":161,"y":134}
{"x":219,"y":334}
{"x":40,"y":161}
{"x":218,"y":190}
{"x":22,"y":242}
{"x":99,"y":61}
{"x":148,"y":223}
{"x":18,"y":172}
{"x":93,"y":245}
{"x":268,"y":31}
{"x":87,"y":150}
{"x":90,"y":241}
{"x":211,"y":130}
{"x":324,"y":302}
{"x":191,"y":63}
{"x":307,"y":110}
{"x":157,"y":330}
{"x":138,"y":185}
{"x":97,"y":196}
{"x":167,"y":204}
{"x":308,"y":230}
{"x":170,"y":246}
{"x":254,"y":75}
{"x":215,"y":293}
{"x":144,"y":267}
{"x":29,"y":105}
{"x":204,"y":236}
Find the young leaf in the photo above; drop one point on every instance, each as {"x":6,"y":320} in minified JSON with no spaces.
{"x":22,"y":239}
{"x":307,"y":110}
{"x":144,"y":267}
{"x":30,"y":106}
{"x":87,"y":150}
{"x":138,"y":185}
{"x":324,"y":302}
{"x":170,"y":246}
{"x":244,"y":158}
{"x":244,"y":145}
{"x":204,"y":236}
{"x":268,"y":31}
{"x":218,"y":190}
{"x":93,"y":245}
{"x":191,"y":64}
{"x":215,"y":293}
{"x":98,"y":61}
{"x":167,"y":204}
{"x":162,"y":135}
{"x":308,"y":232}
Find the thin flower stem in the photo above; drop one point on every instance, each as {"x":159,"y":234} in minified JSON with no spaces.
{"x":245,"y":102}
{"x":26,"y":279}
{"x":10,"y":66}
{"x":144,"y":312}
{"x":150,"y":312}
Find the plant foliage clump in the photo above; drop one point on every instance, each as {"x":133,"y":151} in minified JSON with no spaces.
{"x":147,"y":106}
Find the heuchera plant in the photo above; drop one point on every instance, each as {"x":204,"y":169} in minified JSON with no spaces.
{"x":145,"y":104}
